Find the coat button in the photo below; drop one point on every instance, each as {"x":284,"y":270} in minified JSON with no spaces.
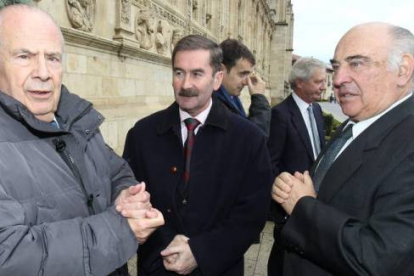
{"x":174,"y":169}
{"x":168,"y":210}
{"x":87,"y":131}
{"x":184,"y":202}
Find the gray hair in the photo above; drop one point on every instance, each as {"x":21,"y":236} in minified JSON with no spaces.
{"x":27,"y":7}
{"x":403,"y":43}
{"x":303,"y":69}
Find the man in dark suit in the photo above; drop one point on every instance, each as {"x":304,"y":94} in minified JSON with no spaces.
{"x":361,"y":221}
{"x":238,"y":65}
{"x":215,"y":205}
{"x":296,"y":136}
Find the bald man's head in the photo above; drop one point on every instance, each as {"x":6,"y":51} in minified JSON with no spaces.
{"x":31,"y":54}
{"x":373,"y":68}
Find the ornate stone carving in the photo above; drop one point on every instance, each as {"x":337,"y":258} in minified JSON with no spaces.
{"x":163,"y":37}
{"x":81,"y":14}
{"x":145,"y":28}
{"x":126,"y":11}
{"x":177,"y":34}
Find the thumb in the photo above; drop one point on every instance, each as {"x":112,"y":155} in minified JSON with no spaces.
{"x":133,"y":190}
{"x":249,"y":81}
{"x":307,"y":178}
{"x":170,"y":251}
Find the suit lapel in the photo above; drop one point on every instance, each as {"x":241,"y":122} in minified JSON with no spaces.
{"x":300,"y":126}
{"x":342,"y":169}
{"x":352,"y":158}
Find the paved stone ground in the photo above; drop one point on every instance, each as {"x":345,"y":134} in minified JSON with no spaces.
{"x":255,"y":259}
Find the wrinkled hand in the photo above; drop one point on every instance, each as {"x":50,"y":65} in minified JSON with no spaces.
{"x":134,"y":195}
{"x":133,"y":203}
{"x":256,"y":84}
{"x":178,"y":256}
{"x":143,"y":227}
{"x":287,"y":189}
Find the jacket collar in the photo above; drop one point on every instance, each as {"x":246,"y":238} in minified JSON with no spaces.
{"x":342,"y":169}
{"x":70,"y":108}
{"x":300,"y":125}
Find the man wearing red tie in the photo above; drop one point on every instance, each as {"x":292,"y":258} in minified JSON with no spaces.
{"x":213,"y":195}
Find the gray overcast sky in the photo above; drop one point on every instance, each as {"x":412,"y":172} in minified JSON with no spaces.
{"x":319,"y":24}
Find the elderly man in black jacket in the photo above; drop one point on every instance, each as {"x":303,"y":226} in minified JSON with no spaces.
{"x":361,"y":221}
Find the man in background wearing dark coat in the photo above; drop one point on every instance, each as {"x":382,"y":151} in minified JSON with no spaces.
{"x":296,"y":136}
{"x":215,"y":205}
{"x":238,"y":63}
{"x":356,"y":215}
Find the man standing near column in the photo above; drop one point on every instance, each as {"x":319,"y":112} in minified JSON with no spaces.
{"x":213,"y":195}
{"x":238,"y":63}
{"x":296,"y":135}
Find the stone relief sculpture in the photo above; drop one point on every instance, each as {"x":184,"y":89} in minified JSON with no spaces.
{"x":163,"y":37}
{"x":81,"y":14}
{"x":145,"y":28}
{"x":177,"y":34}
{"x":126,"y":9}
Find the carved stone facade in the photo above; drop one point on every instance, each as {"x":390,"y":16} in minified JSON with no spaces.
{"x":118,"y":52}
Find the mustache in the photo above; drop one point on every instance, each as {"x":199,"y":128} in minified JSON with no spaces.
{"x":188,"y":93}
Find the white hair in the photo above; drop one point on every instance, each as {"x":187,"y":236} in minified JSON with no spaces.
{"x":303,"y":69}
{"x":402,"y":43}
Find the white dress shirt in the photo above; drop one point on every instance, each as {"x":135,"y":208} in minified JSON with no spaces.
{"x":202,"y":117}
{"x":359,"y":127}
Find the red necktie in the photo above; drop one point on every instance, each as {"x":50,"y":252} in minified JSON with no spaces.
{"x":191,"y":125}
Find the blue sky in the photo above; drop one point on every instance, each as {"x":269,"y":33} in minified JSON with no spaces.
{"x":319,"y":24}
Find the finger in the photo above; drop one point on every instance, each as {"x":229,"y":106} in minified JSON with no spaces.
{"x":286,"y":177}
{"x":283,"y":185}
{"x":171,"y":258}
{"x":172,"y":250}
{"x":135,"y":189}
{"x":299,"y":176}
{"x":143,"y":196}
{"x":258,"y":78}
{"x":253,"y":79}
{"x":169,"y":266}
{"x":249,"y":82}
{"x":278,"y":199}
{"x":307,"y":178}
{"x":135,"y":214}
{"x":151,"y":214}
{"x":280,"y":193}
{"x":133,"y":206}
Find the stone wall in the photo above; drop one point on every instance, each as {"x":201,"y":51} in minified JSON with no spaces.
{"x":117,"y":52}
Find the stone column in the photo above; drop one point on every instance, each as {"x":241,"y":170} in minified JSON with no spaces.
{"x":278,"y":57}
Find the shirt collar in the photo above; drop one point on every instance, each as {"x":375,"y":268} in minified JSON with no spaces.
{"x":303,"y":106}
{"x":359,"y":127}
{"x":201,"y":117}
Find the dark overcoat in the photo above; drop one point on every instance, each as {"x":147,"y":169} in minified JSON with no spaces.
{"x":229,"y":187}
{"x":290,"y":150}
